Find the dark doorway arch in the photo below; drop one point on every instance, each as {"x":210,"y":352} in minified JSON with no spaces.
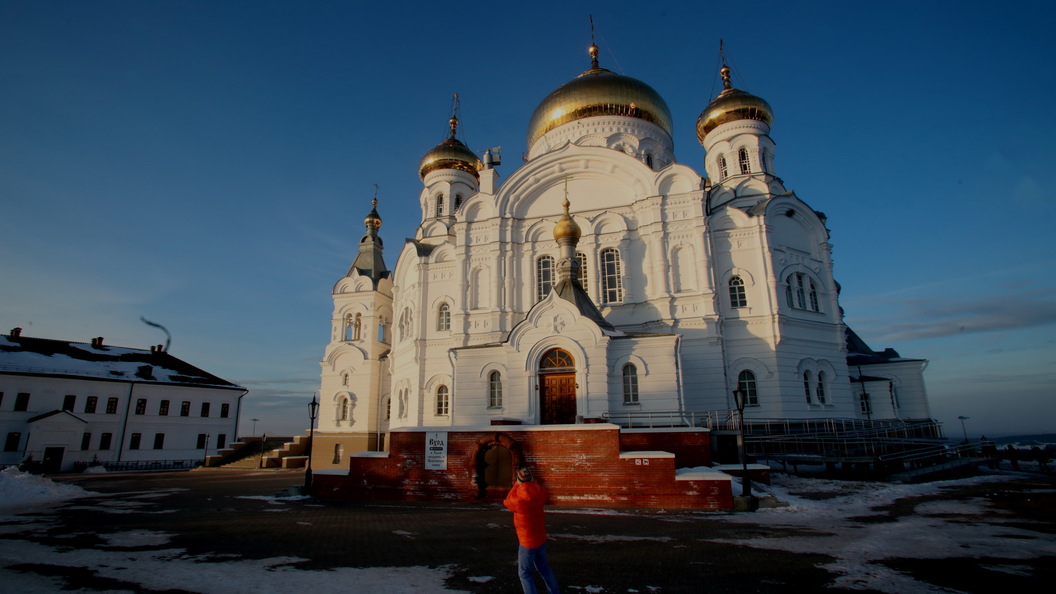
{"x":557,"y":388}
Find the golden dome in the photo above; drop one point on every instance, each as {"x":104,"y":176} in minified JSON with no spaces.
{"x":567,"y":226}
{"x":450,"y":154}
{"x":373,"y":220}
{"x":598,"y":92}
{"x":732,"y":105}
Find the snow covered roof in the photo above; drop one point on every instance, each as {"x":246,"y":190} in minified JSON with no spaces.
{"x":44,"y":356}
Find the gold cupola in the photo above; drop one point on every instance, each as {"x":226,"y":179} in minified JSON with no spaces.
{"x":567,"y":227}
{"x":450,"y":154}
{"x":373,"y":220}
{"x":732,"y":105}
{"x":598,"y":92}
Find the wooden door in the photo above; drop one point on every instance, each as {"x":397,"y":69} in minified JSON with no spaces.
{"x":558,"y":398}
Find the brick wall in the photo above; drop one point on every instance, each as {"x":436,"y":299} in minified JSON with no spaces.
{"x":578,"y":465}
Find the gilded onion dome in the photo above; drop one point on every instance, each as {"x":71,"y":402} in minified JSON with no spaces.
{"x":567,"y":227}
{"x":732,"y":105}
{"x":598,"y":92}
{"x":450,"y":154}
{"x":373,"y":220}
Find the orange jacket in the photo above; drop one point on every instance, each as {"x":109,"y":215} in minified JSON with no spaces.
{"x":526,"y":501}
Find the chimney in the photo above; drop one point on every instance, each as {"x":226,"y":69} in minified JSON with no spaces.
{"x":97,"y":342}
{"x":16,"y":332}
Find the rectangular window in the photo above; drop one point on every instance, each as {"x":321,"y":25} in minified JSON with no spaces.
{"x":86,"y":441}
{"x":104,"y":441}
{"x":90,"y":404}
{"x":185,"y":409}
{"x":221,"y":441}
{"x":611,"y":276}
{"x":22,"y":401}
{"x":205,"y":409}
{"x":69,"y":401}
{"x":159,"y":441}
{"x":202,"y":437}
{"x":133,"y":444}
{"x":225,"y":410}
{"x":544,"y":277}
{"x":163,"y":408}
{"x":141,"y":406}
{"x":12,"y":441}
{"x":111,"y":406}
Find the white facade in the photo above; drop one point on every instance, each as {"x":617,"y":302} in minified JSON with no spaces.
{"x":696,"y":286}
{"x":65,"y":404}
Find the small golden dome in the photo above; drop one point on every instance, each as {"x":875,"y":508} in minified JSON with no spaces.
{"x":373,"y":220}
{"x":732,"y":105}
{"x":598,"y":92}
{"x":567,"y":226}
{"x":450,"y":154}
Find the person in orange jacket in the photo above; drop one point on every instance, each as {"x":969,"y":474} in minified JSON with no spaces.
{"x":526,"y":500}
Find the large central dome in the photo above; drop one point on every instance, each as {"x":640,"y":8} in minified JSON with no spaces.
{"x":598,"y":92}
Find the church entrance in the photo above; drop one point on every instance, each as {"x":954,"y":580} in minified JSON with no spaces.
{"x":557,"y":388}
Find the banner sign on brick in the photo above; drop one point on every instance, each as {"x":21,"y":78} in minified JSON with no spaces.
{"x":436,"y":450}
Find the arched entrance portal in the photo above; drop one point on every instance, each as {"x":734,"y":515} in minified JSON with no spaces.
{"x":557,"y":388}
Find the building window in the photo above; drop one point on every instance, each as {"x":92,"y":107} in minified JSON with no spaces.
{"x":357,"y":327}
{"x":440,"y":205}
{"x":738,"y":298}
{"x":798,"y":288}
{"x":807,"y":388}
{"x":763,"y":161}
{"x":133,"y":443}
{"x":221,"y":441}
{"x":86,"y":441}
{"x":630,"y":384}
{"x":723,"y":171}
{"x":820,"y":391}
{"x":163,"y":408}
{"x":494,"y":389}
{"x":203,"y":440}
{"x":544,"y":277}
{"x":185,"y":409}
{"x":104,"y":441}
{"x":406,"y":320}
{"x":582,"y":274}
{"x":611,"y":277}
{"x":69,"y":401}
{"x":141,"y":406}
{"x":443,"y":402}
{"x":746,"y":383}
{"x":458,"y":201}
{"x":388,"y":409}
{"x":22,"y":401}
{"x":159,"y":441}
{"x":12,"y":441}
{"x":443,"y":318}
{"x":225,"y":410}
{"x":742,"y":158}
{"x":343,"y":415}
{"x":111,"y":406}
{"x":205,"y":409}
{"x":90,"y":404}
{"x":339,"y":452}
{"x":864,"y":405}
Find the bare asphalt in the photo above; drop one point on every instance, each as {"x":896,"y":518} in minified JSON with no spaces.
{"x":647,"y":551}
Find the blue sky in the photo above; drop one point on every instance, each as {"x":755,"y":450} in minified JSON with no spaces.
{"x":207,"y":165}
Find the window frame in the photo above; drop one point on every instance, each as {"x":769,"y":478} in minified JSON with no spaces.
{"x":443,"y":317}
{"x":494,"y":390}
{"x":443,"y":401}
{"x":744,"y":161}
{"x":747,"y":382}
{"x":611,"y":276}
{"x":630,"y":385}
{"x":543,"y":286}
{"x":738,"y":294}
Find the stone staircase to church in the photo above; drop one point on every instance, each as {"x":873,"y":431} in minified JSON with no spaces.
{"x":263,"y":452}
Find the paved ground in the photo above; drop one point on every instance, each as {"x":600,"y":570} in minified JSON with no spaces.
{"x":214,"y":514}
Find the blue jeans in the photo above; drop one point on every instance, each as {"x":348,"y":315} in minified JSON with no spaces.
{"x":528,"y":558}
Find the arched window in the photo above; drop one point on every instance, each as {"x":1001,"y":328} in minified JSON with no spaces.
{"x":738,"y":298}
{"x":611,"y":277}
{"x":630,"y":384}
{"x":343,"y":415}
{"x":820,"y":391}
{"x":798,"y":289}
{"x":648,"y":160}
{"x":439,"y":205}
{"x":443,"y":401}
{"x":458,"y":201}
{"x":723,"y":171}
{"x":812,"y":295}
{"x":349,"y":328}
{"x":357,"y":327}
{"x":344,"y":380}
{"x":443,"y":317}
{"x":494,"y":389}
{"x":544,"y":276}
{"x":582,"y":275}
{"x":383,"y":330}
{"x":406,"y":320}
{"x":746,"y":383}
{"x":742,"y":158}
{"x":807,"y":388}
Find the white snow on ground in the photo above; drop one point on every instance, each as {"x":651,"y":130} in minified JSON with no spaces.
{"x":19,"y":488}
{"x":596,"y":539}
{"x":927,"y":534}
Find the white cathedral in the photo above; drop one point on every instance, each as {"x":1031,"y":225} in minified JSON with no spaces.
{"x":602,"y":282}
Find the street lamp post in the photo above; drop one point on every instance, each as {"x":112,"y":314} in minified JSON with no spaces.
{"x":963,"y":428}
{"x":255,"y":421}
{"x":745,"y":502}
{"x":313,"y":412}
